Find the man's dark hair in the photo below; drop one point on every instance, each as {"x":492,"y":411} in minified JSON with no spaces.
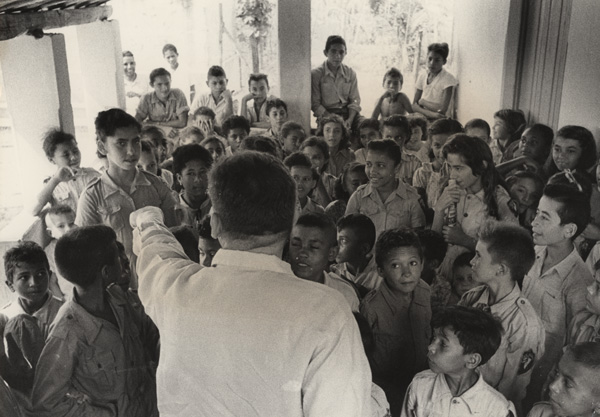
{"x":158,"y":72}
{"x":235,"y":122}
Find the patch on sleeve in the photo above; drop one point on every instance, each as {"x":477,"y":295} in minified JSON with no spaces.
{"x":527,"y":361}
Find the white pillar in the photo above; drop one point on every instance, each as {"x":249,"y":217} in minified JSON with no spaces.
{"x":294,"y":58}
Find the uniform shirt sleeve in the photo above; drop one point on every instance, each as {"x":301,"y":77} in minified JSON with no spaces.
{"x":182,"y":104}
{"x":87,"y":213}
{"x":408,"y":406}
{"x":143,"y":109}
{"x":353,"y":204}
{"x":315,"y":97}
{"x":417,"y":217}
{"x":168,"y":204}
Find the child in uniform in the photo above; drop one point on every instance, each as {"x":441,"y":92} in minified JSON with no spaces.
{"x":352,"y":177}
{"x":318,"y":152}
{"x":306,"y":178}
{"x":215,"y":146}
{"x":292,"y":135}
{"x":277,"y":114}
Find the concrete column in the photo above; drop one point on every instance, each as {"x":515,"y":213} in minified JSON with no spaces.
{"x":294,"y":58}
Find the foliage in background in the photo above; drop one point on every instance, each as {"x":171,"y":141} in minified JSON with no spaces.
{"x":254,"y":18}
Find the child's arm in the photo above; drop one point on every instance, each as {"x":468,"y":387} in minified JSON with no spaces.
{"x":228,"y":104}
{"x":377,"y":109}
{"x":417,"y":108}
{"x":449,"y":196}
{"x":522,"y":161}
{"x":45,"y":196}
{"x":244,"y":105}
{"x":439,"y":107}
{"x":405,"y":101}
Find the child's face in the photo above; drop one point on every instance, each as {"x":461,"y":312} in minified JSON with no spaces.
{"x":60,"y":224}
{"x":574,"y":391}
{"x":335,"y":54}
{"x":171,"y":58}
{"x":546,"y":226}
{"x":207,"y":248}
{"x":437,"y":143}
{"x":566,"y":153}
{"x":483,"y":266}
{"x":162,"y":86}
{"x":392,"y":84}
{"x":414,"y":143}
{"x":531,"y":145}
{"x":317,"y":159}
{"x":462,"y":280}
{"x":394,"y":133}
{"x":380,"y":169}
{"x":304,"y":180}
{"x":593,"y":296}
{"x":216,"y":149}
{"x":310,"y":252}
{"x":368,"y":134}
{"x":217,"y":85}
{"x":353,"y":180}
{"x":277,"y":116}
{"x":147,"y":162}
{"x":202,"y":120}
{"x":445,"y":353}
{"x":123,"y":148}
{"x":332,"y":133}
{"x":194,"y":178}
{"x":500,"y":129}
{"x":478,"y":133}
{"x":236,"y":136}
{"x":30,"y":281}
{"x":435,"y":62}
{"x":191,"y":138}
{"x":402,"y":269}
{"x":525,"y":192}
{"x":67,"y":154}
{"x":259,"y":90}
{"x":462,"y":173}
{"x":129,"y":66}
{"x":291,"y":143}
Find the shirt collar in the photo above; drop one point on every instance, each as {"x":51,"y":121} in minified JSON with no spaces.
{"x":471,"y":397}
{"x":251,"y":260}
{"x":400,"y":191}
{"x":564,"y":267}
{"x":393,"y":302}
{"x":154,"y":98}
{"x":341,"y":71}
{"x":110,"y":187}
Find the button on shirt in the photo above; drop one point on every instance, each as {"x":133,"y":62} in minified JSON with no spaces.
{"x":331,"y":91}
{"x":151,"y":108}
{"x":246,"y":337}
{"x":429,"y":395}
{"x":401,"y":209}
{"x":522,"y":345}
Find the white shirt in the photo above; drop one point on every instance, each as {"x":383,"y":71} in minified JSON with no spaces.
{"x":246,"y":337}
{"x":338,"y":283}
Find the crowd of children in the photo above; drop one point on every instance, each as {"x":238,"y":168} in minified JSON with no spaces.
{"x":461,"y":250}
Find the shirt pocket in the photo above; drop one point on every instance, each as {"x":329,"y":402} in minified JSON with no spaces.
{"x":111,"y":216}
{"x":99,"y":368}
{"x":553,"y":312}
{"x":398,"y":218}
{"x":329,"y":93}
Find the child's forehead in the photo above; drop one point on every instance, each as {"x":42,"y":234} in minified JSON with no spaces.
{"x":400,"y":252}
{"x":392,"y":78}
{"x":216,"y":78}
{"x":295,"y":132}
{"x":333,"y":125}
{"x":277,"y":109}
{"x":258,"y":83}
{"x":54,"y":218}
{"x":28,"y":266}
{"x":194,"y":164}
{"x":311,"y":233}
{"x":301,"y":169}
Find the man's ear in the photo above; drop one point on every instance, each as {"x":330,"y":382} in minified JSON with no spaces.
{"x":502,"y":269}
{"x":473,"y":360}
{"x":333,"y":252}
{"x":101,"y":147}
{"x":569,"y":230}
{"x":365,"y":249}
{"x":10,"y":285}
{"x":215,"y":225}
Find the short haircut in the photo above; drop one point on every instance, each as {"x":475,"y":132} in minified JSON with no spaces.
{"x":148,"y":146}
{"x":127,"y":53}
{"x":155,"y":135}
{"x":420,"y":121}
{"x":289,"y":127}
{"x":253,"y":194}
{"x":477,"y":331}
{"x":333,"y":40}
{"x":192,"y":152}
{"x":205,"y":229}
{"x":216,"y":71}
{"x":464,"y":259}
{"x":235,"y":122}
{"x":334,"y":118}
{"x":577,"y":180}
{"x":316,"y":142}
{"x":339,"y":191}
{"x":433,"y":244}
{"x":108,"y":121}
{"x":169,"y":47}
{"x":214,"y":139}
{"x":546,"y":134}
{"x":297,"y":159}
{"x":25,"y":252}
{"x":188,"y":240}
{"x":260,"y":144}
{"x":257,"y":78}
{"x":369,"y":123}
{"x":586,"y":141}
{"x":189,"y":131}
{"x":393,"y":73}
{"x":574,"y":205}
{"x":396,"y":238}
{"x":81,"y":253}
{"x":205,"y":111}
{"x":445,"y":127}
{"x":387,"y":147}
{"x":539,"y":182}
{"x":59,"y":209}
{"x":275,"y":103}
{"x":441,"y":49}
{"x":515,"y":122}
{"x":397,"y":120}
{"x":53,"y":138}
{"x":478,"y":124}
{"x":510,"y":245}
{"x":158,"y":72}
{"x":362,"y":225}
{"x":322,"y":222}
{"x":586,"y":353}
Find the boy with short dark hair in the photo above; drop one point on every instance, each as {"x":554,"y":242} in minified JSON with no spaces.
{"x":235,"y":129}
{"x":101,"y":354}
{"x":257,"y":113}
{"x":277,"y":114}
{"x":464,"y":338}
{"x":398,"y":312}
{"x":208,"y":246}
{"x":218,"y":99}
{"x":392,"y":101}
{"x":368,"y":130}
{"x":396,"y":128}
{"x":313,"y":247}
{"x":556,"y":283}
{"x":503,"y":255}
{"x":306,"y":178}
{"x":292,"y":135}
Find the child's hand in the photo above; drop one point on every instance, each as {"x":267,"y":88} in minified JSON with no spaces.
{"x":131,"y":94}
{"x":531,"y":165}
{"x":226,"y":95}
{"x":455,"y":235}
{"x":206,"y":126}
{"x":64,"y":174}
{"x":248,"y":97}
{"x":451,"y":195}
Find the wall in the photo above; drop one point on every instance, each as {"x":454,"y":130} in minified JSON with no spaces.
{"x":581,"y":86}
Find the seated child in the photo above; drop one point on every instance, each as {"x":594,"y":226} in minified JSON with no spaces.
{"x":318,"y":152}
{"x":398,"y":312}
{"x":215,"y":146}
{"x":218,"y":99}
{"x":352,"y":177}
{"x":163,"y":150}
{"x":204,"y":119}
{"x":333,"y":130}
{"x":59,"y":221}
{"x":530,"y":153}
{"x":434,"y":249}
{"x":392,"y":101}
{"x":189,"y":135}
{"x":292,"y":135}
{"x":313,"y":247}
{"x":256,"y":113}
{"x":396,"y":128}
{"x":508,"y":127}
{"x":208,"y":246}
{"x":277,"y":114}
{"x":464,"y":338}
{"x":235,"y":129}
{"x":368,"y":130}
{"x":414,"y":154}
{"x":260,"y":144}
{"x":481,"y":129}
{"x":28,"y":274}
{"x":69,"y":180}
{"x":149,"y":162}
{"x":355,"y":261}
{"x":556,"y":283}
{"x":306,"y":178}
{"x":101,"y":354}
{"x":503,"y":255}
{"x":526,"y":189}
{"x":187,"y":238}
{"x":191,"y":164}
{"x":389,"y":203}
{"x":585,"y":326}
{"x":575,"y":390}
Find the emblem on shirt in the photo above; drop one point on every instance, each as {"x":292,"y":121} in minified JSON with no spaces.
{"x":527,"y":361}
